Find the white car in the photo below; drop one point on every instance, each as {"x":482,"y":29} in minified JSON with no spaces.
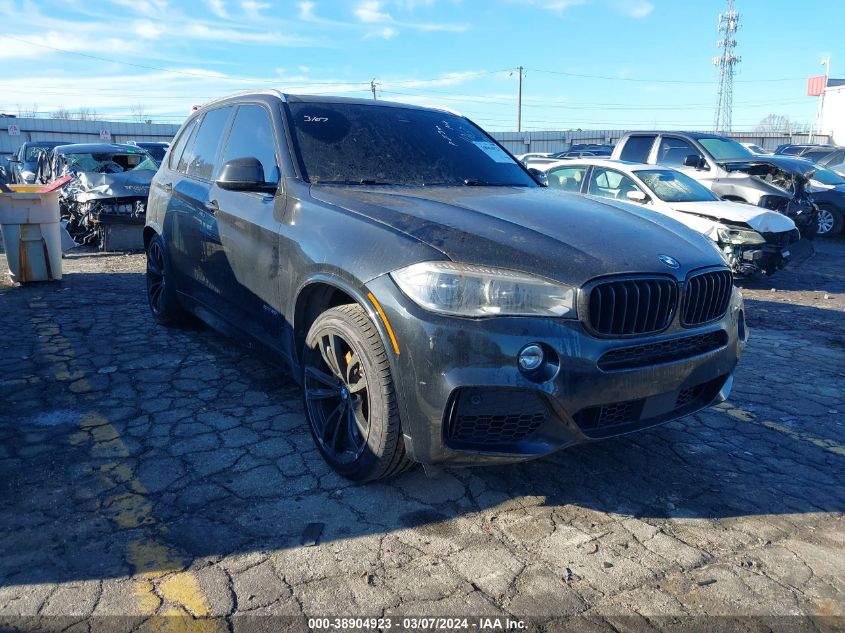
{"x":752,"y":239}
{"x":756,"y":149}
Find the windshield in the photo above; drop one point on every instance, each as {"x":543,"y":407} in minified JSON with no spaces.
{"x":724,"y":148}
{"x":673,"y":186}
{"x":108,"y":162}
{"x":341,"y":143}
{"x":827,"y":177}
{"x":33,"y":151}
{"x":156,"y":151}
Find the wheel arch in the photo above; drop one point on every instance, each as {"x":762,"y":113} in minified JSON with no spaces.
{"x":325,"y":291}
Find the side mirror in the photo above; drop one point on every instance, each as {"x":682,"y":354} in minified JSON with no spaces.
{"x":539,"y":176}
{"x":637,"y":196}
{"x":694,"y":160}
{"x":244,"y":174}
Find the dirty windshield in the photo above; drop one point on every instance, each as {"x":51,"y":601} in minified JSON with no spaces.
{"x":724,"y":148}
{"x":367,"y":145}
{"x":673,"y":186}
{"x":108,"y":162}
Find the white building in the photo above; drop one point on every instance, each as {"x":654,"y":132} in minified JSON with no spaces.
{"x":833,"y":111}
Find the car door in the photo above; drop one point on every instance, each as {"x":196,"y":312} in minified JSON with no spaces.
{"x":672,"y":151}
{"x":244,"y":266}
{"x":194,"y":222}
{"x":610,"y":183}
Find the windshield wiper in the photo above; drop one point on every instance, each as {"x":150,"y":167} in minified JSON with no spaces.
{"x":476,"y":182}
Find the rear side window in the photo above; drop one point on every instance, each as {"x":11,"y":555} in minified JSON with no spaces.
{"x":637,"y":149}
{"x":179,"y":147}
{"x":567,"y":178}
{"x":203,"y":151}
{"x":252,"y":137}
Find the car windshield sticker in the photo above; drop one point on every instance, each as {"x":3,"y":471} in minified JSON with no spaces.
{"x":493,"y":151}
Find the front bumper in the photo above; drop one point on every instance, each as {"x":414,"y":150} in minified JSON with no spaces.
{"x":463,"y":399}
{"x":776,"y":253}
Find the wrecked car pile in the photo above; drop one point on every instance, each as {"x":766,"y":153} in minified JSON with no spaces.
{"x":104,"y":203}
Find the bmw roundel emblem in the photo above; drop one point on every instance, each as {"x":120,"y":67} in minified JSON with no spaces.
{"x":671,"y":262}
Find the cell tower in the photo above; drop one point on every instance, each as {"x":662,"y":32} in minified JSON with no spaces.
{"x":726,"y":61}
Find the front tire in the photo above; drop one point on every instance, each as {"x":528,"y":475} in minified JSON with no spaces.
{"x":350,"y":400}
{"x":830,"y":221}
{"x":161,"y":296}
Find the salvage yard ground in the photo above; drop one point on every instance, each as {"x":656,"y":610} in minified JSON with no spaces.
{"x":149,"y":471}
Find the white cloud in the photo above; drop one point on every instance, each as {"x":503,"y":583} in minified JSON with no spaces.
{"x":218,"y":8}
{"x":306,"y":11}
{"x":370,"y":11}
{"x":147,"y":30}
{"x":635,"y":8}
{"x":373,"y":12}
{"x":559,"y":6}
{"x":253,"y":9}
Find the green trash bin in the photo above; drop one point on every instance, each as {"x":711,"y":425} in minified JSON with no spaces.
{"x":30,"y":222}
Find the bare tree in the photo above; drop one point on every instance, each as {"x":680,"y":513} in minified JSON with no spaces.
{"x":139,"y":113}
{"x":27,"y":111}
{"x":778,"y":123}
{"x":87,"y":114}
{"x":62,"y":113}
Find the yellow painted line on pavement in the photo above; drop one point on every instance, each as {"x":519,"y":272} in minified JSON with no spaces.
{"x":746,"y":416}
{"x":828,"y":445}
{"x":161,"y":585}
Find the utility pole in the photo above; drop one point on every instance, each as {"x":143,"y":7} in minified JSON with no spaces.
{"x":519,"y":104}
{"x":726,"y":61}
{"x":373,"y":88}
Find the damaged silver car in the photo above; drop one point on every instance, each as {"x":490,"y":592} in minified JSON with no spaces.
{"x":104,"y":202}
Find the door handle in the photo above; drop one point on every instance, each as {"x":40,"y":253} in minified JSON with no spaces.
{"x":211,"y":206}
{"x":168,"y":187}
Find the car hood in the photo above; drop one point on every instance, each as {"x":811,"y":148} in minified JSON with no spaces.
{"x":93,"y":186}
{"x":757,"y":218}
{"x":538,"y":230}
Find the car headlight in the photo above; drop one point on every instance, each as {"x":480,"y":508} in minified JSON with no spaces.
{"x":480,"y":291}
{"x":739,"y":236}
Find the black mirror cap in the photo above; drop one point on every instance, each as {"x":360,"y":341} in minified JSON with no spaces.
{"x":539,"y":176}
{"x":244,"y":174}
{"x":694,"y":160}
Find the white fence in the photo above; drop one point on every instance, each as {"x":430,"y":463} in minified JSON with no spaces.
{"x":15,"y":131}
{"x":559,"y":141}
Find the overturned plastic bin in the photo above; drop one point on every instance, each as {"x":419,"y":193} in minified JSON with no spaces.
{"x":30,"y":223}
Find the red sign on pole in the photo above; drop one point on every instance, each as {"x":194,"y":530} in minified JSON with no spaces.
{"x":816,"y":85}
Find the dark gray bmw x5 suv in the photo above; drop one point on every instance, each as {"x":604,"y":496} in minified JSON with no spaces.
{"x":436,"y":303}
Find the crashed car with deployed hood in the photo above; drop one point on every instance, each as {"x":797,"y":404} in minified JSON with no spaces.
{"x":104,"y":203}
{"x":435,"y":302}
{"x":752,"y":240}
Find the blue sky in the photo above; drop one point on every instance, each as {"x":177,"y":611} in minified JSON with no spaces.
{"x":589,"y":63}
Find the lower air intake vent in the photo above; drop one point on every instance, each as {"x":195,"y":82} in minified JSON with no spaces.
{"x":492,"y":417}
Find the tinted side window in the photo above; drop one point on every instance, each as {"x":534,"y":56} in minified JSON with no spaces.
{"x":252,"y":137}
{"x":673,"y":151}
{"x":179,"y":147}
{"x":567,"y":178}
{"x":203,"y":151}
{"x":637,"y":148}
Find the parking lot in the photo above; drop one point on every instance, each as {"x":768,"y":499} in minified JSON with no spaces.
{"x":147,"y":472}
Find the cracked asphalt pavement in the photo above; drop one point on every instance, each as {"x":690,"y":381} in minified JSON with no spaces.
{"x":147,"y":472}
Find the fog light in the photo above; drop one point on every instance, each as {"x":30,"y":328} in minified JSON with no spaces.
{"x":530,"y":358}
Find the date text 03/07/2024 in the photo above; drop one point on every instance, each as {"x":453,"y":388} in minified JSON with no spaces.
{"x":417,"y":624}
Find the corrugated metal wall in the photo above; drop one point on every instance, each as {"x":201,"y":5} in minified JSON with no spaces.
{"x":559,"y":141}
{"x":78,"y":132}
